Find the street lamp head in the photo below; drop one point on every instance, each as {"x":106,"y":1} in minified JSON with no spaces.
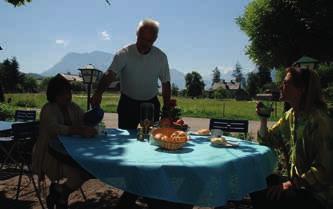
{"x":306,"y":62}
{"x":90,"y":74}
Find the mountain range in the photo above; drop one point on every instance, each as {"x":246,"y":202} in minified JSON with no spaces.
{"x":71,"y":62}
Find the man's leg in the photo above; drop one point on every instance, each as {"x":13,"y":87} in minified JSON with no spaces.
{"x":128,"y":113}
{"x":157,"y":108}
{"x":127,"y":119}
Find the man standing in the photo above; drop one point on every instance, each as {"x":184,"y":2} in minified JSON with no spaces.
{"x":139,"y":66}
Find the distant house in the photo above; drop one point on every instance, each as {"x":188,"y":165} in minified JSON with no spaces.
{"x":71,"y":78}
{"x":234,"y":87}
{"x":114,"y":86}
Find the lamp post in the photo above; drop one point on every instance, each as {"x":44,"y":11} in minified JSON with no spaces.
{"x":90,"y":75}
{"x":306,"y":62}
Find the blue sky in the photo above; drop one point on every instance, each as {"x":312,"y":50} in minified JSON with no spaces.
{"x":195,"y":34}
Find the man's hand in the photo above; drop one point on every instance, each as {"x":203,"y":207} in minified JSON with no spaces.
{"x":103,"y":84}
{"x":96,"y":99}
{"x":274,"y":192}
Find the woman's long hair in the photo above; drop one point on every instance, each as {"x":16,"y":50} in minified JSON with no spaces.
{"x":308,"y":80}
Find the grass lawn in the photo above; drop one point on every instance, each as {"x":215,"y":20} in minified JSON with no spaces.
{"x":203,"y":108}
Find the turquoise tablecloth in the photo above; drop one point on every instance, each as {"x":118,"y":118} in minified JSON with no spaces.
{"x":198,"y":174}
{"x":5,"y":125}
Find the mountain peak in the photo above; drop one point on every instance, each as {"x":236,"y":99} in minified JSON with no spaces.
{"x":74,"y":60}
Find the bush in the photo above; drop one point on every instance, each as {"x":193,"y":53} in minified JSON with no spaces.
{"x":328,"y":93}
{"x":26,"y":103}
{"x":6,"y":111}
{"x":222,"y":93}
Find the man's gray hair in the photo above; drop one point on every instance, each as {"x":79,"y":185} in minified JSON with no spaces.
{"x":148,"y":22}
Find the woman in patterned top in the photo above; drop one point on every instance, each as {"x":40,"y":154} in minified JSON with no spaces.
{"x":307,"y":131}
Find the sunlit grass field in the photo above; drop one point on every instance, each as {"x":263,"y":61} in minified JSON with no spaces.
{"x":203,"y":108}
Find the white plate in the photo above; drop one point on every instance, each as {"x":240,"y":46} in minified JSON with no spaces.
{"x":225,"y":145}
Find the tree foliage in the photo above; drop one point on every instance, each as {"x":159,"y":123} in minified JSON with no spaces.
{"x":17,"y":3}
{"x":29,"y":84}
{"x":10,"y":76}
{"x":174,"y":89}
{"x":325,"y":72}
{"x":281,"y":31}
{"x":264,"y":76}
{"x":216,"y":76}
{"x":12,"y":80}
{"x":237,"y":73}
{"x":252,"y":87}
{"x":194,"y":84}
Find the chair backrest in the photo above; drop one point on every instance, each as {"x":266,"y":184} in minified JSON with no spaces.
{"x":25,"y":115}
{"x":25,"y":131}
{"x":239,"y":126}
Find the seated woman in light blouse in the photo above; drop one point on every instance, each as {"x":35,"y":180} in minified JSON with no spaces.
{"x":59,"y":116}
{"x":307,"y":131}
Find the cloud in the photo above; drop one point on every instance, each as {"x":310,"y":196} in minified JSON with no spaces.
{"x":225,"y":69}
{"x":61,"y":42}
{"x":105,"y":36}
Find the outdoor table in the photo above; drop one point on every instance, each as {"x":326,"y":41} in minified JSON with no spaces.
{"x":5,"y":126}
{"x":5,"y":137}
{"x":197,"y":174}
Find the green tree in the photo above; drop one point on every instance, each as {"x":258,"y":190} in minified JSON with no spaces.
{"x":23,"y":2}
{"x":17,"y":3}
{"x":11,"y":77}
{"x":252,"y":87}
{"x":2,"y":95}
{"x":174,"y":89}
{"x":264,"y":75}
{"x":221,"y":93}
{"x":194,"y":84}
{"x":29,"y":84}
{"x":216,"y":76}
{"x":281,"y":31}
{"x":44,"y":83}
{"x":325,"y":72}
{"x":237,"y":73}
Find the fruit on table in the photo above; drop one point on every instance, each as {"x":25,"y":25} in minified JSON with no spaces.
{"x":170,"y":135}
{"x":180,"y":122}
{"x":203,"y":131}
{"x":218,"y":140}
{"x":158,"y":136}
{"x":165,"y":122}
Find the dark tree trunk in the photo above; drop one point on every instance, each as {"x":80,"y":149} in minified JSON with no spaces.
{"x":2,"y":97}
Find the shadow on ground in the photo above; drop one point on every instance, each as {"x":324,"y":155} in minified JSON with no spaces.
{"x":10,"y":203}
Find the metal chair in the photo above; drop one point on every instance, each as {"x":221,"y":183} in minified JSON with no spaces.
{"x":236,"y":126}
{"x":25,"y":136}
{"x":25,"y":115}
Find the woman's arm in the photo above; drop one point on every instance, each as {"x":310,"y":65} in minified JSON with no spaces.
{"x":49,"y":120}
{"x":273,"y":137}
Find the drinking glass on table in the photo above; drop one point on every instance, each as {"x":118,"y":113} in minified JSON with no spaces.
{"x":146,"y":116}
{"x":265,"y":105}
{"x":216,"y":133}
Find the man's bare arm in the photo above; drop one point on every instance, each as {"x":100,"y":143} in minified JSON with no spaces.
{"x":166,"y":93}
{"x":104,"y":83}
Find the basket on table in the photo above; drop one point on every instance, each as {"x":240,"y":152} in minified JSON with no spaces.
{"x":169,"y":138}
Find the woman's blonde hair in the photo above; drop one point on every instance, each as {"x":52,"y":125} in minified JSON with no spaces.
{"x":309,"y":81}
